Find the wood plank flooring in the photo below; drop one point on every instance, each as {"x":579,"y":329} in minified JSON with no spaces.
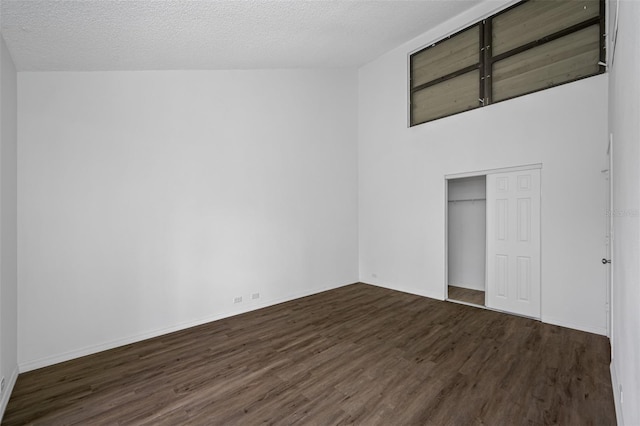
{"x":466,"y":295}
{"x":358,"y":354}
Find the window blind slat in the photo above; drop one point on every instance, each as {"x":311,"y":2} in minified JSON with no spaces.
{"x":565,"y":59}
{"x":448,"y":56}
{"x":536,"y":19}
{"x":534,"y":45}
{"x":452,"y":96}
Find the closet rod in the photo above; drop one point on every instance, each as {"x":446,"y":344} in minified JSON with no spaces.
{"x":468,"y":199}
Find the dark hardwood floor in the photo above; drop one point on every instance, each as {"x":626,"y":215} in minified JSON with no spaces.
{"x":358,"y":354}
{"x":466,"y":295}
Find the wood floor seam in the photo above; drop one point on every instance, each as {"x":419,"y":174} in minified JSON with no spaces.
{"x":357,"y":354}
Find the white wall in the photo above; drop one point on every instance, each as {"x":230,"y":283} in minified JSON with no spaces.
{"x":149,"y":200}
{"x":402,"y":186}
{"x":8,"y":245}
{"x":624,"y":89}
{"x":467,"y":232}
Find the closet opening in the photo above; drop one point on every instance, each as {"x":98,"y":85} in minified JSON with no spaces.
{"x":467,"y":240}
{"x":492,"y":246}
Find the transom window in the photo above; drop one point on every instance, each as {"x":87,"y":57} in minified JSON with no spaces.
{"x":531,"y":46}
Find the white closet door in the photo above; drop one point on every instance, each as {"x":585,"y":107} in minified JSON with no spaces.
{"x":513,"y":242}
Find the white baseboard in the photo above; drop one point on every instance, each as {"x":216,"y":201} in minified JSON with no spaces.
{"x":77,"y":353}
{"x":616,"y":395}
{"x":581,"y":327}
{"x":410,"y":290}
{"x":546,"y":319}
{"x":6,"y":394}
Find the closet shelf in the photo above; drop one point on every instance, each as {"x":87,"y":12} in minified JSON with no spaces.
{"x":468,"y":199}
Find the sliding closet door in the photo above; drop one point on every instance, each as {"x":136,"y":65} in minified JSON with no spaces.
{"x":513,"y":242}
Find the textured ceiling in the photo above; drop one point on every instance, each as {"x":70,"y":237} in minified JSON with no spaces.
{"x":93,"y":35}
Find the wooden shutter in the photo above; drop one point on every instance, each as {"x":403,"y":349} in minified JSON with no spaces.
{"x":445,"y":77}
{"x":449,"y":97}
{"x":445,"y":57}
{"x":533,"y":45}
{"x":536,"y":19}
{"x":566,"y":59}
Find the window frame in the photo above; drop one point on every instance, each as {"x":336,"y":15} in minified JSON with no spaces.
{"x":479,"y":66}
{"x":486,"y":59}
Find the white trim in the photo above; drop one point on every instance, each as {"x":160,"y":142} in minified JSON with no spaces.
{"x":615,"y":385}
{"x":545,"y":320}
{"x":6,"y":394}
{"x":588,"y":328}
{"x":409,"y":290}
{"x":542,"y":234}
{"x":446,"y":241}
{"x":452,"y":176}
{"x":611,"y":232}
{"x":408,"y":92}
{"x":490,"y":171}
{"x":77,"y":353}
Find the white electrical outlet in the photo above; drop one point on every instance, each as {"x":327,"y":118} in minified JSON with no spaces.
{"x":374,"y":275}
{"x":237,"y":299}
{"x":255,"y":296}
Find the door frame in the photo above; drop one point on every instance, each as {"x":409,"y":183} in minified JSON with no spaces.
{"x":610,"y":237}
{"x":482,"y":172}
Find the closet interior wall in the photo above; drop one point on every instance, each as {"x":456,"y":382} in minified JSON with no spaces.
{"x":467,"y":232}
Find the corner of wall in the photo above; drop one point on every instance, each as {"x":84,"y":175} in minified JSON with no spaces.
{"x":6,"y":394}
{"x":8,"y":219}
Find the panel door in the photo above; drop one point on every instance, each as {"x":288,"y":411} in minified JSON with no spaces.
{"x":513,"y":242}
